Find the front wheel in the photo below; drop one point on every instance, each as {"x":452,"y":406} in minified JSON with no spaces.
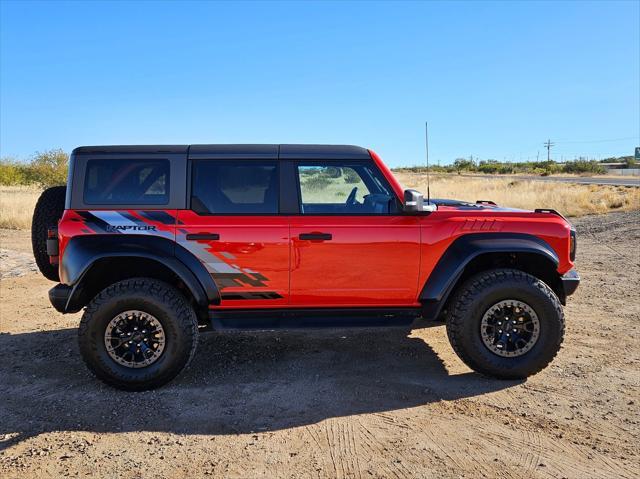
{"x":506,"y":324}
{"x":138,"y":334}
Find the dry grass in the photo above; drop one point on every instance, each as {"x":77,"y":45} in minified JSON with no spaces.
{"x":16,"y":206}
{"x":570,"y":200}
{"x":17,"y":203}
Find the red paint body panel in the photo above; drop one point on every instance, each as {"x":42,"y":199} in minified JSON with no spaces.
{"x":443,"y":227}
{"x":370,"y":261}
{"x":395,"y":184}
{"x":252,"y":245}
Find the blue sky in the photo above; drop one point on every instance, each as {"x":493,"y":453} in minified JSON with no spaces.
{"x":494,"y":80}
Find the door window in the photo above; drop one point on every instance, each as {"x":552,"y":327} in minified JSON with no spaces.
{"x":343,"y":188}
{"x":234,"y":187}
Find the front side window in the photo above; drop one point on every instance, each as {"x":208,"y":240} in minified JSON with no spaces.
{"x":343,"y":188}
{"x":235,"y":187}
{"x":126,"y":181}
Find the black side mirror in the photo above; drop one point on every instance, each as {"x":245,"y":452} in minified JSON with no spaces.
{"x":413,"y":201}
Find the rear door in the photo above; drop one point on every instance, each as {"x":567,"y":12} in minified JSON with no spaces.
{"x":351,"y":246}
{"x":234,"y":227}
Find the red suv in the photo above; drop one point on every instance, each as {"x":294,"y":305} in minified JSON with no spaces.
{"x":159,"y":242}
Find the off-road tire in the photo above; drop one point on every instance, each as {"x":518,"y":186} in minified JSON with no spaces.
{"x":484,"y":290}
{"x":154,"y":297}
{"x":46,"y":214}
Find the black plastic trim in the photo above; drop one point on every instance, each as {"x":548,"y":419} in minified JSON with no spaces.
{"x":310,"y":318}
{"x":82,"y":252}
{"x":203,"y":236}
{"x":59,"y":297}
{"x":463,"y":250}
{"x":288,"y":188}
{"x":570,"y":281}
{"x":315,"y":236}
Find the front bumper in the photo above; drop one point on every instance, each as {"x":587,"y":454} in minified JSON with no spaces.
{"x":570,"y":281}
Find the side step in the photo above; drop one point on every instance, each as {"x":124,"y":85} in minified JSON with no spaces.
{"x":310,"y":318}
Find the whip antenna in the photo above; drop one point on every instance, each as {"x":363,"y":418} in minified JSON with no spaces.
{"x":426,"y":138}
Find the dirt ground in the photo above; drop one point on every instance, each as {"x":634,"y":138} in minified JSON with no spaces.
{"x":343,"y":404}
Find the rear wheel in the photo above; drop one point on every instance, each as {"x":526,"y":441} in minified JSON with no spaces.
{"x":46,"y":215}
{"x":138,"y":334}
{"x":506,"y":323}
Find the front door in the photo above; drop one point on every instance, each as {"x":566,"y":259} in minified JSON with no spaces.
{"x":234,"y":228}
{"x":351,"y":247}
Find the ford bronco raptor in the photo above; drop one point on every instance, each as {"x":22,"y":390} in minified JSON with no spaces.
{"x":159,"y":242}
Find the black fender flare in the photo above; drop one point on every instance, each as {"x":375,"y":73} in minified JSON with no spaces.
{"x":82,"y":252}
{"x":465,"y":249}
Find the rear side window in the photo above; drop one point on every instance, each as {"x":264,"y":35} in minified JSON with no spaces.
{"x":234,"y":187}
{"x":126,"y":181}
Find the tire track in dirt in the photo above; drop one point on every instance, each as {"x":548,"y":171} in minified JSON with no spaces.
{"x":337,"y":441}
{"x":376,"y":449}
{"x":533,"y":451}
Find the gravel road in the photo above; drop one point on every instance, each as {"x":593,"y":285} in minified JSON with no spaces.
{"x":335,"y":404}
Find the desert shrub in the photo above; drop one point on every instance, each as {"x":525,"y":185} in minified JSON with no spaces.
{"x":45,"y":169}
{"x":350,"y":176}
{"x":582,"y":165}
{"x":49,"y":168}
{"x":12,"y":173}
{"x":333,"y":172}
{"x":317,"y":182}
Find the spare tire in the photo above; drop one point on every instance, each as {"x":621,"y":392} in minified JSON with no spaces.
{"x":46,"y":214}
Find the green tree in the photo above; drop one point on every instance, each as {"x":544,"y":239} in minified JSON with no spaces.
{"x":462,"y":164}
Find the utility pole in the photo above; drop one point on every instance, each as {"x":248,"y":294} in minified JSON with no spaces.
{"x":548,"y":146}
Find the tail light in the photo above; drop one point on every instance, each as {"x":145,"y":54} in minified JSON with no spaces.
{"x":52,"y":245}
{"x":573,"y":245}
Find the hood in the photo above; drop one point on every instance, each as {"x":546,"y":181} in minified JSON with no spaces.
{"x":449,"y":204}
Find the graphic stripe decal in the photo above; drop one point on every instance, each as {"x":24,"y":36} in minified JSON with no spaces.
{"x":251,"y":295}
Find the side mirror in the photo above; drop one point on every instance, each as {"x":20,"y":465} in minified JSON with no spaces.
{"x":413,"y":201}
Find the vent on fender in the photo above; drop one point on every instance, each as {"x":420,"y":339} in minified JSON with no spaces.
{"x":480,"y":224}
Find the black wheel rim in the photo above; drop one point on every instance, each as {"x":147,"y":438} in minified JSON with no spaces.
{"x":134,"y":339}
{"x":510,"y":328}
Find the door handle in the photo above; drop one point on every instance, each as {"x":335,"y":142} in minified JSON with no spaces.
{"x":315,"y":236}
{"x":203,"y":236}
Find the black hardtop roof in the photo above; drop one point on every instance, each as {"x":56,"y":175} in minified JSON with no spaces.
{"x":348,"y":152}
